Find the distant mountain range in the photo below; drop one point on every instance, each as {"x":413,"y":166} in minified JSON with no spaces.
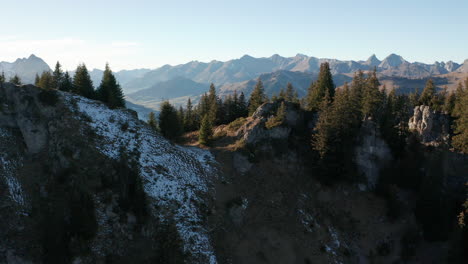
{"x":247,"y":68}
{"x":149,"y":87}
{"x":25,"y":68}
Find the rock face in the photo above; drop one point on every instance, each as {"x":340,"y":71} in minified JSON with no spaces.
{"x":431,"y":126}
{"x":254,"y":130}
{"x":372,"y":153}
{"x":72,"y":170}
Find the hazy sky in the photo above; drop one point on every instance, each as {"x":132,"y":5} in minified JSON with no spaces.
{"x":151,"y":33}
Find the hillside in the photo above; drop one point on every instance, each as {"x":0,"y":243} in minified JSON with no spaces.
{"x":84,"y":183}
{"x":99,"y":176}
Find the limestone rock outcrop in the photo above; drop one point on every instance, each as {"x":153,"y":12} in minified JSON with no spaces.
{"x":433,"y":127}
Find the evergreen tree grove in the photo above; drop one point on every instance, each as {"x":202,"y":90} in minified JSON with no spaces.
{"x":335,"y":133}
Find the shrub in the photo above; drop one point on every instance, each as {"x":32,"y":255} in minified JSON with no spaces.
{"x":236,"y":124}
{"x":278,"y":119}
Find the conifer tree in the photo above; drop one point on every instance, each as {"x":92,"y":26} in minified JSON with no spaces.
{"x":189,"y":118}
{"x":152,"y":122}
{"x":46,"y":81}
{"x":37,"y":79}
{"x":414,"y":98}
{"x":203,"y":107}
{"x":372,"y":97}
{"x":460,"y":113}
{"x":323,"y":87}
{"x":169,"y":123}
{"x":257,"y":98}
{"x":242,"y":106}
{"x":213,"y":105}
{"x":275,"y":97}
{"x":449,"y":103}
{"x":67,"y":84}
{"x":82,"y":83}
{"x":16,"y":80}
{"x":109,"y":91}
{"x":281,"y":95}
{"x":180,"y":117}
{"x":428,"y":94}
{"x":2,"y":79}
{"x":291,"y":94}
{"x":336,"y":131}
{"x":206,"y":131}
{"x":58,"y":76}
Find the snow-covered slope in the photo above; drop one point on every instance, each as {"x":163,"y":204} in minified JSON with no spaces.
{"x":176,"y":178}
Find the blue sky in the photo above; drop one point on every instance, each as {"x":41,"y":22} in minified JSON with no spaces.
{"x":144,"y":33}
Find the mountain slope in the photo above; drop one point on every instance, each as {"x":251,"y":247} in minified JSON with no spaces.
{"x":74,"y":170}
{"x":173,"y":88}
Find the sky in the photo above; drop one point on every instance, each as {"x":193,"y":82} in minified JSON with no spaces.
{"x":152,"y":33}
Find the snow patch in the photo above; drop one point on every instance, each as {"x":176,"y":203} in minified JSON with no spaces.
{"x":8,"y":167}
{"x":175,"y":177}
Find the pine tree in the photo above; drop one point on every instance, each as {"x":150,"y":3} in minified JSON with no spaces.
{"x":449,"y":103}
{"x":46,"y":81}
{"x":323,"y":87}
{"x":206,"y":131}
{"x":189,"y":118}
{"x":428,"y":94}
{"x":257,"y":98}
{"x":242,"y":106}
{"x":67,"y":84}
{"x":16,"y":80}
{"x":371,"y":97}
{"x":2,"y":79}
{"x":82,"y":83}
{"x":281,"y":95}
{"x":169,"y":123}
{"x":109,"y":91}
{"x":291,"y":94}
{"x":152,"y":122}
{"x":460,"y":113}
{"x":414,"y":98}
{"x":213,"y":105}
{"x":37,"y":79}
{"x":58,"y":77}
{"x":335,"y":132}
